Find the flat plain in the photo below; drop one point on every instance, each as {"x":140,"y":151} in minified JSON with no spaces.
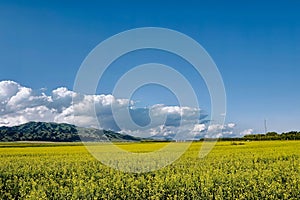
{"x":240,"y":170}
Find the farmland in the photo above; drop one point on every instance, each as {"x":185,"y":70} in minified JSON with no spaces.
{"x":246,"y":170}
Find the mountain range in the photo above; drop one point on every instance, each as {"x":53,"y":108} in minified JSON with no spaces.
{"x":54,"y":132}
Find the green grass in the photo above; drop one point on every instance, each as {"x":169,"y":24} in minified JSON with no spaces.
{"x":254,"y":170}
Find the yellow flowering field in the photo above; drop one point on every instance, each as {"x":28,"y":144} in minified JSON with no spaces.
{"x":241,"y":170}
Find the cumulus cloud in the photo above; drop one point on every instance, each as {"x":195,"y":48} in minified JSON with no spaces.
{"x":246,"y":132}
{"x":218,"y":130}
{"x":231,"y":125}
{"x":7,"y":90}
{"x":199,"y":127}
{"x":20,"y":104}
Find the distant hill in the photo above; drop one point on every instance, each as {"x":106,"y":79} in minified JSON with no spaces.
{"x":54,"y":132}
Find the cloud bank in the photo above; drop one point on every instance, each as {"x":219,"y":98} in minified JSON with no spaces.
{"x":19,"y":104}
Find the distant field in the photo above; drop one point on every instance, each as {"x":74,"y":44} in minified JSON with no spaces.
{"x":247,"y":170}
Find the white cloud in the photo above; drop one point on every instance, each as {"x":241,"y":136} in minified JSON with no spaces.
{"x":62,"y":92}
{"x":246,"y":132}
{"x":8,"y":89}
{"x":199,"y":127}
{"x":19,"y":104}
{"x":20,"y":97}
{"x":231,"y":125}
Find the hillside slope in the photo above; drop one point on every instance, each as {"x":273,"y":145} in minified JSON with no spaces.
{"x":45,"y":131}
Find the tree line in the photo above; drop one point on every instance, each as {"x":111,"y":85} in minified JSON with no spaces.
{"x":292,"y":135}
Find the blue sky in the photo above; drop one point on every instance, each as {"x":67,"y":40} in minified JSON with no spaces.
{"x":255,"y":44}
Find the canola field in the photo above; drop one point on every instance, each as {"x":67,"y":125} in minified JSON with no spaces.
{"x":248,"y":170}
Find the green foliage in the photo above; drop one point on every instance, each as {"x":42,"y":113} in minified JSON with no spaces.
{"x":293,"y":135}
{"x":43,"y":131}
{"x":255,"y":170}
